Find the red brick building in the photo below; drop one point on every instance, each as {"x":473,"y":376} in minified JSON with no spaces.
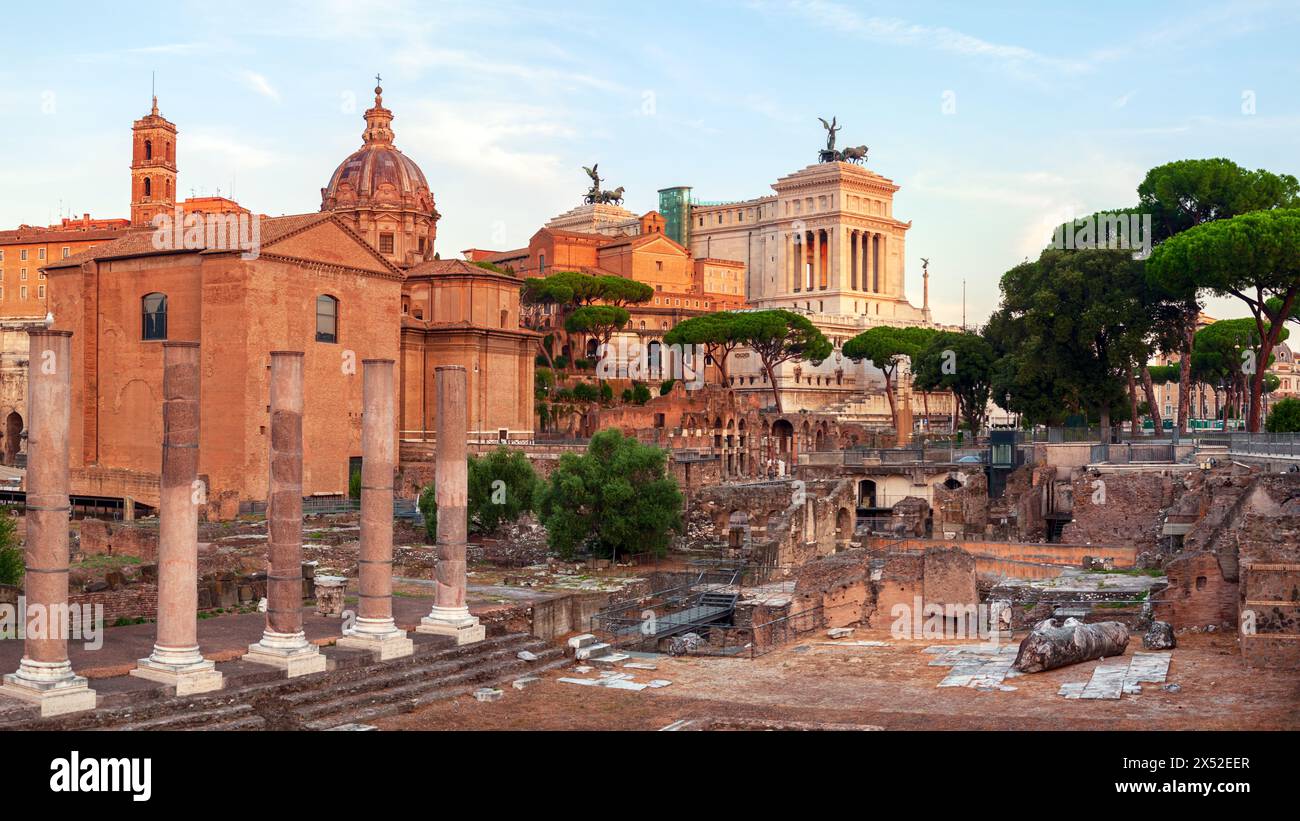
{"x":358,"y":280}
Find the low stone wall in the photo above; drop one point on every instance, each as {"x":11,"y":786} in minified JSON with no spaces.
{"x":562,"y":615}
{"x":115,"y":483}
{"x":858,"y":587}
{"x":133,"y":602}
{"x":136,"y":539}
{"x":1018,"y":559}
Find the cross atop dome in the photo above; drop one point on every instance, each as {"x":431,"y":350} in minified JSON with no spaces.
{"x":379,"y":120}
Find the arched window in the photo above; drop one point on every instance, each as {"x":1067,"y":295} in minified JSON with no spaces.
{"x":148,"y":187}
{"x":327,"y":319}
{"x":148,"y":149}
{"x":153,"y":316}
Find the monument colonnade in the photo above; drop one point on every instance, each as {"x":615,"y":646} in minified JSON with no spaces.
{"x":838,"y":258}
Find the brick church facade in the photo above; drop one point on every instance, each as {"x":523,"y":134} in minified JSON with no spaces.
{"x":357,"y":280}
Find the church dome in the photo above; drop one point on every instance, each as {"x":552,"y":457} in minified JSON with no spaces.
{"x":378,"y":174}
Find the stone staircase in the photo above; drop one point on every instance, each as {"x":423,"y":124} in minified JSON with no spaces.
{"x":354,"y":689}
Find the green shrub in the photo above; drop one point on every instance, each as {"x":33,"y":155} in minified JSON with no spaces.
{"x":667,"y":387}
{"x":12,"y":562}
{"x":1284,"y":417}
{"x":428,"y":506}
{"x":616,"y":499}
{"x":586,"y":392}
{"x":489,"y":504}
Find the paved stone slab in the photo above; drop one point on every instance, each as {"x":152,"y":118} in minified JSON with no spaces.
{"x":1112,"y":679}
{"x":356,"y":728}
{"x":975,"y":665}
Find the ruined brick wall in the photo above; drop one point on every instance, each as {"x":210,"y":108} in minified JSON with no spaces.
{"x":137,"y":539}
{"x":1120,"y":508}
{"x":911,"y":516}
{"x":1018,"y":513}
{"x":964,"y":510}
{"x":840,"y":585}
{"x":1198,"y":595}
{"x":899,"y":580}
{"x":135,"y":601}
{"x":859,"y":587}
{"x":1269,"y":561}
{"x":948,"y":576}
{"x":788,"y":522}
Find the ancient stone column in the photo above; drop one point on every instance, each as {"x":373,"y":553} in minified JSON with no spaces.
{"x":284,"y":644}
{"x":375,"y":629}
{"x":176,"y":659}
{"x":45,"y":675}
{"x":450,"y":616}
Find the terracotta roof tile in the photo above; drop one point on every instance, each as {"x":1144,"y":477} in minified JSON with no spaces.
{"x":140,"y":241}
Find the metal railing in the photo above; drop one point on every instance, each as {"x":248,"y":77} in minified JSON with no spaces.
{"x":1264,"y":444}
{"x":913,"y":455}
{"x":728,"y":640}
{"x":1126,"y":453}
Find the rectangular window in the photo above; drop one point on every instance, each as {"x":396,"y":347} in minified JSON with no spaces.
{"x":22,"y":294}
{"x":67,"y":252}
{"x":22,"y":274}
{"x":659,"y":265}
{"x":40,"y":253}
{"x":22,"y":255}
{"x":327,"y":318}
{"x":40,"y":291}
{"x":385,"y":243}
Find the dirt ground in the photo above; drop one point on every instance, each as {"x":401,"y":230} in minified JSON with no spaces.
{"x":891,"y":687}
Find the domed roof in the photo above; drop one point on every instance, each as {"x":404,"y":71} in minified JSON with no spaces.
{"x":377,"y":173}
{"x":371,"y":166}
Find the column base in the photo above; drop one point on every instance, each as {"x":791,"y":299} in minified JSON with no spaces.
{"x":291,"y":653}
{"x":188,"y":678}
{"x":383,"y":646}
{"x":454,"y":622}
{"x":55,"y":697}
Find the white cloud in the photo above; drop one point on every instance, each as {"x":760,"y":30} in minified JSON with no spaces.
{"x":502,"y":139}
{"x":259,"y":84}
{"x":893,"y":31}
{"x":220,"y":150}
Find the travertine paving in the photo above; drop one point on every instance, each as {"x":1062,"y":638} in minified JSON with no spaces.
{"x":1112,"y":679}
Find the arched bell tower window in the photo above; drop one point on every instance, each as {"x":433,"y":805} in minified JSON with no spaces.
{"x":148,"y":187}
{"x":153,"y":316}
{"x":327,"y":319}
{"x":148,"y":149}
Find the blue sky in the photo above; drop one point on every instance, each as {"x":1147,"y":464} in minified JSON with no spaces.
{"x":1052,"y":110}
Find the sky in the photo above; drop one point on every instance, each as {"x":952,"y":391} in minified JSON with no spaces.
{"x":998,"y":120}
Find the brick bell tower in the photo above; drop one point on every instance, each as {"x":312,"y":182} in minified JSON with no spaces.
{"x":153,"y":167}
